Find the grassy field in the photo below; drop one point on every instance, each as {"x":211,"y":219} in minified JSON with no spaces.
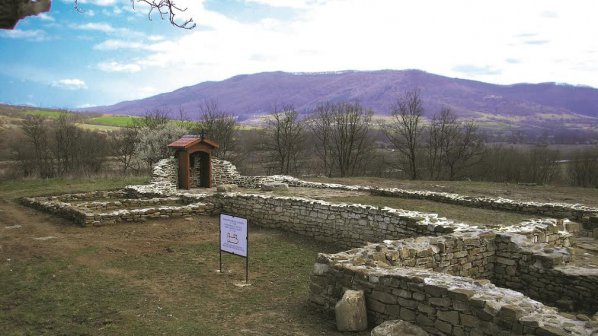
{"x":539,"y":193}
{"x":12,"y":189}
{"x":153,"y":278}
{"x":112,"y":120}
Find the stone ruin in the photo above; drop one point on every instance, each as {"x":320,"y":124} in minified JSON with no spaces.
{"x":446,"y":277}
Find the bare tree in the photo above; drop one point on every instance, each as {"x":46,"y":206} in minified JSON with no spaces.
{"x":343,"y":134}
{"x":405,"y":129}
{"x":36,"y":130}
{"x":582,"y":169}
{"x":122,"y":146}
{"x":461,"y":147}
{"x":218,"y":126}
{"x":286,"y":135}
{"x":440,"y":128}
{"x":66,"y":145}
{"x":182,"y":114}
{"x":320,"y":126}
{"x":541,"y":165}
{"x":152,"y":119}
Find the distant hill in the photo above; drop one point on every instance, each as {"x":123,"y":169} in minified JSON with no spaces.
{"x":544,"y":105}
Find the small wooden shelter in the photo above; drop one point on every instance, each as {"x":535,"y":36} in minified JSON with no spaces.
{"x":194,"y":154}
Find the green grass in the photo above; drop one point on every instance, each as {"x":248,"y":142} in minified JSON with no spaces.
{"x":114,"y":121}
{"x":98,"y":128}
{"x":52,"y":296}
{"x":280,"y":265}
{"x":33,"y":187}
{"x":165,"y":293}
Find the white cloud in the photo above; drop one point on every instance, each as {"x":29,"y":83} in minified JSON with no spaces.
{"x":297,"y":4}
{"x":108,"y":29}
{"x":35,"y":35}
{"x":501,"y":42}
{"x":155,"y":38}
{"x":99,"y":2}
{"x":70,"y":84}
{"x":45,"y":17}
{"x":102,"y":27}
{"x":113,"y":66}
{"x":122,"y":44}
{"x":459,"y":38}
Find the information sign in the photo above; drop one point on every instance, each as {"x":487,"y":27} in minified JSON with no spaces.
{"x":233,"y":235}
{"x":234,"y":239}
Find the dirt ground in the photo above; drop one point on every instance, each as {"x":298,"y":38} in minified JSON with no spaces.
{"x":157,"y":277}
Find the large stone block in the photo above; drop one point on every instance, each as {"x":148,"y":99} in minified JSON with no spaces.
{"x":351,"y":314}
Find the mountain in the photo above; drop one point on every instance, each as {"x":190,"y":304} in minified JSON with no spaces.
{"x":247,"y":96}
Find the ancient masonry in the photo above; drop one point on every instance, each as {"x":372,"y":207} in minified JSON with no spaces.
{"x":449,"y":278}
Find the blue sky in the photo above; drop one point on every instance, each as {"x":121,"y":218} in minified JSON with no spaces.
{"x":111,"y":52}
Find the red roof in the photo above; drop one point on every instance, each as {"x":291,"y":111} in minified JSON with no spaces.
{"x":189,"y":140}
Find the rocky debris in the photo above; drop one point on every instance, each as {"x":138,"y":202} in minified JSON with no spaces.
{"x":11,"y":227}
{"x":45,"y":238}
{"x":227,"y":188}
{"x":398,"y":328}
{"x":350,"y":312}
{"x":271,"y":186}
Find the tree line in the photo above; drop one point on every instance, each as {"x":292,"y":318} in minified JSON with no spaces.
{"x":334,"y":139}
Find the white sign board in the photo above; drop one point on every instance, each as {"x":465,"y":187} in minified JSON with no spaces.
{"x":233,"y":235}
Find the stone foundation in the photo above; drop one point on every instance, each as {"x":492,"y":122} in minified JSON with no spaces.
{"x":224,"y":172}
{"x":105,"y":208}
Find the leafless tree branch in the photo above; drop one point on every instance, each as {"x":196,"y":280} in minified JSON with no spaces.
{"x":165,"y":8}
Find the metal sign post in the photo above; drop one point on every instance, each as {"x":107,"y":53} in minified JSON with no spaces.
{"x":234,"y":239}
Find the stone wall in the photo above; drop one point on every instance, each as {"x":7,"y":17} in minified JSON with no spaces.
{"x":353,"y":225}
{"x":542,"y":272}
{"x":347,"y":225}
{"x":224,"y":172}
{"x":163,"y":181}
{"x":441,"y":304}
{"x":105,"y":208}
{"x":577,"y":212}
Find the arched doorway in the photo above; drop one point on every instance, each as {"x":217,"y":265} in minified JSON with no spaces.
{"x":200,"y":170}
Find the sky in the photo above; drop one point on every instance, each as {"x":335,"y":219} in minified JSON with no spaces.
{"x":110,"y":52}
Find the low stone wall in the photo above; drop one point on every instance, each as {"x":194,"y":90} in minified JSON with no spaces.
{"x":439,"y":303}
{"x":120,"y":209}
{"x":224,"y":172}
{"x":541,"y":272}
{"x":353,"y":225}
{"x":577,"y":212}
{"x":347,"y":225}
